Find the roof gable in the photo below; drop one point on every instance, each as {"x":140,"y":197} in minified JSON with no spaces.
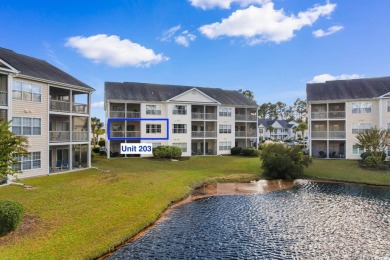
{"x":195,"y":96}
{"x":4,"y":66}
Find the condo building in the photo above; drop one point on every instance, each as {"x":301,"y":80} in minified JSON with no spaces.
{"x":339,"y":110}
{"x":51,"y":108}
{"x":198,"y":120}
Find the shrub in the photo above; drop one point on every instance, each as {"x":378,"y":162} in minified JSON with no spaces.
{"x":96,"y":149}
{"x":10,"y":216}
{"x":249,"y":152}
{"x":167,"y":152}
{"x":3,"y":179}
{"x":236,"y":150}
{"x":102,"y":142}
{"x":283,"y":162}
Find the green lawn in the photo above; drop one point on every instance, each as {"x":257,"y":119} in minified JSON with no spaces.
{"x":346,"y":170}
{"x":83,"y":214}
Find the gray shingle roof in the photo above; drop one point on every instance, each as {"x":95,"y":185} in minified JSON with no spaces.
{"x":160,"y":92}
{"x":267,"y":122}
{"x":348,"y":89}
{"x":37,"y":68}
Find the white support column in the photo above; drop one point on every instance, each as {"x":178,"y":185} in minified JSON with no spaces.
{"x":108,"y":142}
{"x":380,"y":113}
{"x":89,"y":132}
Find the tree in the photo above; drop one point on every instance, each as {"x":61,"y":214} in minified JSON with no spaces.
{"x":270,"y":128}
{"x":300,"y":109}
{"x":11,"y":145}
{"x":375,"y":141}
{"x":96,"y":125}
{"x":280,"y":161}
{"x":301,"y":127}
{"x":248,"y":94}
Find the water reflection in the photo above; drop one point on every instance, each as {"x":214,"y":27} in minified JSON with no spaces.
{"x":309,"y":221}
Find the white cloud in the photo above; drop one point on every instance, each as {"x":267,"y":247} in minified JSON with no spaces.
{"x":184,"y":38}
{"x":327,"y":77}
{"x":224,"y":4}
{"x":331,"y":30}
{"x":99,"y":104}
{"x":113,"y":51}
{"x":265,"y":24}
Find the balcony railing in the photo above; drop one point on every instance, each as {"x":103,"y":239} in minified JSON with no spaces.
{"x":210,"y":116}
{"x":179,"y":111}
{"x":133,"y":114}
{"x":240,"y":133}
{"x":197,"y":134}
{"x":241,"y":117}
{"x":336,"y":134}
{"x":319,"y":134}
{"x":210,"y":134}
{"x":126,"y":134}
{"x":318,"y":115}
{"x":80,"y":136}
{"x":251,"y":118}
{"x":3,"y":98}
{"x":251,"y":134}
{"x":59,"y":136}
{"x":59,"y":106}
{"x":204,"y":116}
{"x":80,"y":108}
{"x":197,"y":115}
{"x":336,"y":114}
{"x":116,"y":114}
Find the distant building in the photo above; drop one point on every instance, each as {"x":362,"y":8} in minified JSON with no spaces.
{"x":51,"y":108}
{"x":339,"y":110}
{"x":277,"y":130}
{"x":202,"y":121}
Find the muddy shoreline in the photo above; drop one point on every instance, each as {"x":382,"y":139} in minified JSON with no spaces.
{"x":210,"y":190}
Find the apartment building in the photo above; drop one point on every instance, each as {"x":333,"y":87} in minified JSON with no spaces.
{"x":277,"y":130}
{"x":200,"y":121}
{"x":51,"y":108}
{"x":339,"y":110}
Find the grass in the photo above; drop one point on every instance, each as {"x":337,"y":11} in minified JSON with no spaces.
{"x":84,"y":214}
{"x":346,"y":170}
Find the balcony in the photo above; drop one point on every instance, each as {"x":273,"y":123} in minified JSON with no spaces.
{"x":133,"y":134}
{"x":197,"y":115}
{"x":204,"y":116}
{"x":319,"y":134}
{"x":240,"y":117}
{"x":80,"y":136}
{"x":210,"y":116}
{"x":318,"y":115}
{"x":197,"y":134}
{"x":204,"y":134}
{"x":336,"y":134}
{"x":210,"y":134}
{"x":3,"y":98}
{"x":59,"y":136}
{"x":117,"y":114}
{"x":59,"y":106}
{"x":240,"y":133}
{"x":125,"y":134}
{"x":80,"y":108}
{"x":133,"y":114}
{"x":336,"y":114}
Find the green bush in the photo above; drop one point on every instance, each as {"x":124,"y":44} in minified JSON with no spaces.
{"x":10,"y":216}
{"x":102,"y":142}
{"x":167,"y":152}
{"x":3,"y":180}
{"x":249,"y":152}
{"x":236,"y":150}
{"x":280,"y":161}
{"x":96,"y":149}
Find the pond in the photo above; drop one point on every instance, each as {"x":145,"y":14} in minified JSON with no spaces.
{"x":309,"y":221}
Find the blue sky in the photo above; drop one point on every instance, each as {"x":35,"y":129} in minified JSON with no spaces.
{"x":271,"y":47}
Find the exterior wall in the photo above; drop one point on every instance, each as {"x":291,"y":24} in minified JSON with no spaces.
{"x":36,"y":143}
{"x":352,"y":118}
{"x":225,"y":137}
{"x":180,"y":119}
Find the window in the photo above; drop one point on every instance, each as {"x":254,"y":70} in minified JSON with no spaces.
{"x":179,"y":110}
{"x":26,"y":126}
{"x":358,"y":128}
{"x":153,"y":109}
{"x":225,"y":146}
{"x":179,"y":128}
{"x":28,"y":162}
{"x":361,"y":108}
{"x":182,"y":146}
{"x":26,"y":91}
{"x":356,"y":150}
{"x":153,"y":129}
{"x":225,"y":129}
{"x":225,"y":111}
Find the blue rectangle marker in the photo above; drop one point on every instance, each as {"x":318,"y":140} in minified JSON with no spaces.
{"x":135,"y":138}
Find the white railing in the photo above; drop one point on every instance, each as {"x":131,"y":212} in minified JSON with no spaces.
{"x":241,"y":117}
{"x":59,"y":136}
{"x":212,"y":134}
{"x":240,"y":133}
{"x":133,"y":114}
{"x":118,"y":133}
{"x":179,"y":112}
{"x":3,"y":98}
{"x":210,"y":116}
{"x":60,"y":106}
{"x":196,"y":115}
{"x":336,"y":134}
{"x":80,"y":136}
{"x":197,"y":134}
{"x":318,"y":115}
{"x":116,"y":114}
{"x":80,"y":108}
{"x":319,"y":134}
{"x":132,"y":134}
{"x":336,"y":114}
{"x":252,"y":118}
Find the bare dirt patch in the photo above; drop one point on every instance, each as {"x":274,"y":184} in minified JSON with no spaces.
{"x":28,"y":226}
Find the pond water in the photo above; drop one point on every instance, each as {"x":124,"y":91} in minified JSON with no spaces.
{"x":309,"y":221}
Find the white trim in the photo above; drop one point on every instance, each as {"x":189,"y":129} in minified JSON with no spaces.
{"x":190,"y":90}
{"x":11,"y":69}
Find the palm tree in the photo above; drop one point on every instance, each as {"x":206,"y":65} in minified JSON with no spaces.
{"x":301,"y":127}
{"x":270,"y":128}
{"x":96,"y":125}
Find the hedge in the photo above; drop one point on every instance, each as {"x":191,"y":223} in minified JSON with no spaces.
{"x":167,"y":152}
{"x":10,"y":216}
